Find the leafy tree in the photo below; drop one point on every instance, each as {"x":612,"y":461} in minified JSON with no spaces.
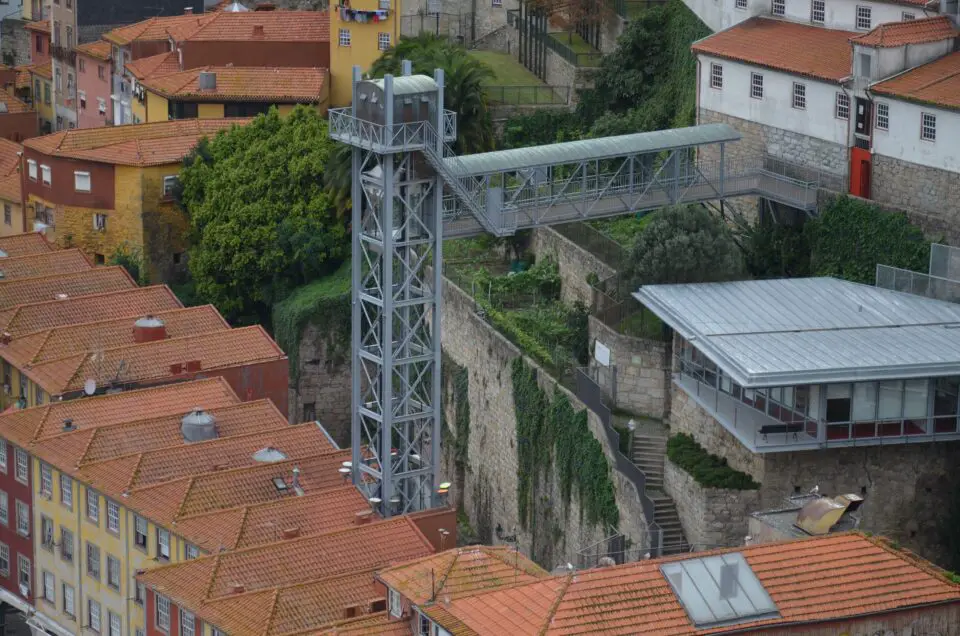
{"x":132,"y":260}
{"x":464,"y":78}
{"x":685,"y":244}
{"x":262,"y":218}
{"x":775,"y":250}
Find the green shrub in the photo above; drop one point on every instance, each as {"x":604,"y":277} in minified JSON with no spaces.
{"x":706,"y":469}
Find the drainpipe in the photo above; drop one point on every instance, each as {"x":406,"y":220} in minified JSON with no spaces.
{"x":851,"y":115}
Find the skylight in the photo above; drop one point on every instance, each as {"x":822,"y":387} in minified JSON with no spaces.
{"x":719,"y":590}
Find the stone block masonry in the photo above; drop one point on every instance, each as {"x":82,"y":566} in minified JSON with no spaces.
{"x":931,"y":192}
{"x":321,"y":390}
{"x":574,"y":263}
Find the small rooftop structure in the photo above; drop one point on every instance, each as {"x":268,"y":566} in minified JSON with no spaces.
{"x":805,"y":516}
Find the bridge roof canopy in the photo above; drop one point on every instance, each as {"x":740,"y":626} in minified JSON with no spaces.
{"x":592,"y":149}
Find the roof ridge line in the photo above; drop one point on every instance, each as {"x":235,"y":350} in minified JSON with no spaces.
{"x":244,"y":518}
{"x":556,"y":604}
{"x":86,"y":447}
{"x":272,"y":614}
{"x":36,"y":353}
{"x":134,"y":472}
{"x":443,"y":578}
{"x":266,"y":504}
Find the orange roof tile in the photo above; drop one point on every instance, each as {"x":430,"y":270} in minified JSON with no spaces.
{"x":45,"y":264}
{"x":43,"y":26}
{"x":43,"y":69}
{"x":272,"y":565}
{"x":136,"y":144}
{"x":248,"y":526}
{"x":936,"y":83}
{"x":785,"y":46}
{"x":893,"y":34}
{"x":99,"y":49}
{"x":68,"y":340}
{"x":93,"y":281}
{"x":25,"y":426}
{"x":49,"y":314}
{"x":151,"y":361}
{"x":461,"y":572}
{"x":13,"y":105}
{"x":162,"y":64}
{"x":10,"y":177}
{"x":157,"y":29}
{"x":234,"y":83}
{"x":835,"y":577}
{"x":373,"y":625}
{"x":28,"y":242}
{"x":282,"y":26}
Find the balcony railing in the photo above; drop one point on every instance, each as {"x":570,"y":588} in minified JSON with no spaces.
{"x":404,"y":135}
{"x":64,"y":54}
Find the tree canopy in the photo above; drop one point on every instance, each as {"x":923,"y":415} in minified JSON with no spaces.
{"x":262,"y":220}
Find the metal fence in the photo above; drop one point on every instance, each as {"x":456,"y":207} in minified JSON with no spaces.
{"x":945,"y":261}
{"x":555,"y":43}
{"x":917,"y":283}
{"x":457,"y":27}
{"x":627,"y":9}
{"x":595,"y":242}
{"x":528,"y":95}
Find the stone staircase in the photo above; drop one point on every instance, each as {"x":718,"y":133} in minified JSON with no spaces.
{"x":648,"y":450}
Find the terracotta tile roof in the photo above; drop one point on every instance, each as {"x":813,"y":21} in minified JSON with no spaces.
{"x":68,"y":340}
{"x":152,"y":361}
{"x":157,"y":29}
{"x":46,"y":264}
{"x":28,"y":242}
{"x":836,"y":577}
{"x":12,"y":104}
{"x":99,"y":49}
{"x":93,"y":281}
{"x":248,"y":526}
{"x":43,"y":26}
{"x":374,"y":625}
{"x":936,"y":83}
{"x":785,"y":46}
{"x":44,"y":70}
{"x":136,"y":144}
{"x":23,"y":77}
{"x":26,"y":426}
{"x":194,"y":583}
{"x":162,"y":64}
{"x":10,"y":179}
{"x":50,"y":314}
{"x":461,"y":572}
{"x":893,"y":34}
{"x":279,"y":26}
{"x":200,"y":494}
{"x":234,"y":83}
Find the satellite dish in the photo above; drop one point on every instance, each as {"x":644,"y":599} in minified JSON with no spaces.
{"x":90,"y":386}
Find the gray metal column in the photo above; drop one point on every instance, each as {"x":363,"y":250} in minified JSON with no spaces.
{"x":356,"y":260}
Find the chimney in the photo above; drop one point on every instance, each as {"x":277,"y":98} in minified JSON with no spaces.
{"x":68,"y":425}
{"x":237,"y":588}
{"x":176,"y":368}
{"x":296,"y":481}
{"x":258,"y":31}
{"x":265,"y":6}
{"x":188,"y":11}
{"x":193,"y":366}
{"x":363,"y":517}
{"x":149,"y":329}
{"x":5,"y":338}
{"x":351,"y":611}
{"x":290,"y":533}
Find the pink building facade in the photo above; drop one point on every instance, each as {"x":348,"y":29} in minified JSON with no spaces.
{"x":93,"y":84}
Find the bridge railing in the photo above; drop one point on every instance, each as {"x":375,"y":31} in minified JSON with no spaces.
{"x":345,"y":127}
{"x":528,"y":95}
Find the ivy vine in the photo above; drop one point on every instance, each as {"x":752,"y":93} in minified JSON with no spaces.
{"x":550,"y":433}
{"x":457,"y":381}
{"x":708,"y":470}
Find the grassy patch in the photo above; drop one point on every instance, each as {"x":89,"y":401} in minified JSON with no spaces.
{"x":574,"y":42}
{"x":623,"y":229}
{"x":707,"y":469}
{"x":507,"y":71}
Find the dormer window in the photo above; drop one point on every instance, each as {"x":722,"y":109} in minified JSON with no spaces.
{"x":395,"y":604}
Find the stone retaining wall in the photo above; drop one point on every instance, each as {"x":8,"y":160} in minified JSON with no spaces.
{"x":323,"y":387}
{"x":711,"y":517}
{"x":574,"y":262}
{"x":642,"y":370}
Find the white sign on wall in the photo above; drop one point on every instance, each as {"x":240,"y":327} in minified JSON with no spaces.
{"x":601,"y":353}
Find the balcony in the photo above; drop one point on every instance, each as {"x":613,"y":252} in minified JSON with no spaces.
{"x":64,"y":54}
{"x":776,"y":429}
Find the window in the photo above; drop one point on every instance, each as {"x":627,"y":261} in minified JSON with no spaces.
{"x":383,"y":41}
{"x":81,"y":65}
{"x":115,"y":629}
{"x":163,"y":613}
{"x":908,"y":16}
{"x":496,"y":3}
{"x":4,"y":559}
{"x":81,"y":181}
{"x":49,"y":588}
{"x":863,"y":18}
{"x":38,"y":395}
{"x":99,"y":259}
{"x":82,"y":96}
{"x":396,"y":607}
{"x":883,"y":116}
{"x":58,"y":80}
{"x":93,"y":615}
{"x":100,"y":222}
{"x":309,"y":412}
{"x":102,"y":105}
{"x":169,"y":185}
{"x":928,"y":127}
{"x":113,"y":517}
{"x":22,"y":464}
{"x":818,"y":11}
{"x":7,"y":214}
{"x":23,"y":518}
{"x":140,"y":533}
{"x":66,"y":491}
{"x":93,"y":506}
{"x":93,"y":561}
{"x":101,"y":72}
{"x":69,"y":606}
{"x":191,"y":551}
{"x":140,"y":592}
{"x":756,"y":85}
{"x":741,"y":4}
{"x":344,"y":37}
{"x":113,"y":572}
{"x":39,"y":44}
{"x":46,"y":480}
{"x":843,"y":106}
{"x":46,"y":532}
{"x":4,"y":509}
{"x":46,"y":175}
{"x":188,"y":624}
{"x":799,"y":95}
{"x":24,"y":573}
{"x":140,"y":632}
{"x":69,"y":37}
{"x":716,"y":75}
{"x":46,"y":93}
{"x":163,"y":544}
{"x":779,"y":7}
{"x":866,"y":64}
{"x":32,"y":169}
{"x":66,"y":544}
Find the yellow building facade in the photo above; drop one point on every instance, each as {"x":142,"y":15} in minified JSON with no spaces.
{"x":41,"y":87}
{"x":156,"y":108}
{"x":360,"y":31}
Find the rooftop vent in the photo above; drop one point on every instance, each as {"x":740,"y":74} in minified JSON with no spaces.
{"x":198,"y":426}
{"x":3,"y":254}
{"x":235,"y":7}
{"x":193,"y":366}
{"x":6,"y":337}
{"x":149,"y":329}
{"x":207,"y":80}
{"x":280,"y":484}
{"x":237,"y":588}
{"x":61,"y":296}
{"x":363,"y":517}
{"x":269,"y":455}
{"x":188,"y":11}
{"x":68,"y":425}
{"x":291,"y":533}
{"x":258,"y":31}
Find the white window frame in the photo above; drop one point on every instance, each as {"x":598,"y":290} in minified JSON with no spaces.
{"x":81,"y":181}
{"x":841,"y":109}
{"x":24,"y":572}
{"x":163,"y":543}
{"x":93,"y":566}
{"x":343,"y":38}
{"x":113,"y":572}
{"x":928,"y":127}
{"x":102,"y":105}
{"x":66,"y":545}
{"x":716,"y":76}
{"x":383,"y":40}
{"x":864,"y":17}
{"x":4,"y":559}
{"x":191,"y":552}
{"x":169,"y":183}
{"x":141,"y":529}
{"x":46,"y":175}
{"x":799,"y":100}
{"x":883,"y":116}
{"x":46,"y":480}
{"x":113,"y":517}
{"x":818,"y":11}
{"x":49,"y":587}
{"x":188,"y":623}
{"x":100,"y":222}
{"x":4,"y":508}
{"x":756,"y":85}
{"x":32,"y":169}
{"x":778,"y":7}
{"x":115,"y":626}
{"x":906,"y":16}
{"x":47,"y":530}
{"x":93,"y":506}
{"x":395,"y":603}
{"x":740,"y":4}
{"x":69,"y":601}
{"x":161,"y":616}
{"x":94,"y":619}
{"x":23,"y":518}
{"x":139,"y":592}
{"x":22,"y":462}
{"x":66,"y":491}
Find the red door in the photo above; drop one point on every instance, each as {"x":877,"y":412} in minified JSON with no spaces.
{"x":860,"y":172}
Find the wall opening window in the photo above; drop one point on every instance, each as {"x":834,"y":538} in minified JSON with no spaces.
{"x":864,"y":19}
{"x":716,"y":76}
{"x":866,"y":64}
{"x":81,"y":181}
{"x":383,"y":41}
{"x":343,"y":38}
{"x":883,"y":116}
{"x":779,"y":7}
{"x":838,"y":403}
{"x":169,"y":185}
{"x":4,"y":559}
{"x":100,"y":222}
{"x":818,"y":11}
{"x":46,"y":174}
{"x":32,"y":169}
{"x":843,"y":106}
{"x":799,"y":95}
{"x":756,"y":85}
{"x":163,"y":614}
{"x":906,"y":15}
{"x":740,"y":4}
{"x":928,"y":127}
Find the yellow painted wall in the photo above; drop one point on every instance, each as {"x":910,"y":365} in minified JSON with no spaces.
{"x":139,"y":111}
{"x":210,"y":111}
{"x":16,"y":219}
{"x":157,"y":108}
{"x":363,"y":49}
{"x":165,"y":226}
{"x":44,"y":110}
